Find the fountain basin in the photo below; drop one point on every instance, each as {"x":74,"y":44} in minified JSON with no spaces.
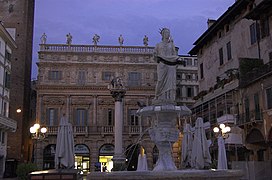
{"x":169,"y":175}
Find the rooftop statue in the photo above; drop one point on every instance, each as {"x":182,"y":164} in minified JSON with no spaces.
{"x":145,"y":40}
{"x":43,"y":38}
{"x":96,"y":39}
{"x":69,"y":39}
{"x":121,"y":40}
{"x":166,"y":56}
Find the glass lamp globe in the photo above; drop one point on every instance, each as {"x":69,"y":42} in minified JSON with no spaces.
{"x":43,"y":130}
{"x":222,"y":126}
{"x":32,"y":130}
{"x":36,"y":126}
{"x":216,"y":129}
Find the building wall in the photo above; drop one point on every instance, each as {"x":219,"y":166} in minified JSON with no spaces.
{"x":227,"y":88}
{"x":7,"y":45}
{"x":19,"y":14}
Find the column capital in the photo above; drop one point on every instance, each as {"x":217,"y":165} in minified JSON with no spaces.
{"x":118,"y":94}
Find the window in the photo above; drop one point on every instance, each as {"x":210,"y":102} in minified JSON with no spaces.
{"x":188,"y":61}
{"x":133,"y":118}
{"x":110,"y":117}
{"x":5,"y":109}
{"x":221,"y":56}
{"x":81,"y":77}
{"x":229,"y":50}
{"x":179,"y":92}
{"x":269,"y":98}
{"x":257,"y":107}
{"x":201,"y":71}
{"x":52,"y":117}
{"x":247,"y":109}
{"x":264,"y":27}
{"x":188,"y":77}
{"x":270,"y":56}
{"x":134,"y":79}
{"x":55,"y":75}
{"x":254,"y":35}
{"x":8,"y":56}
{"x":179,"y":76}
{"x":227,"y":28}
{"x":2,"y":137}
{"x":219,"y":34}
{"x":195,"y":62}
{"x":190,"y":92}
{"x":7,"y":80}
{"x":107,"y":76}
{"x":81,"y":117}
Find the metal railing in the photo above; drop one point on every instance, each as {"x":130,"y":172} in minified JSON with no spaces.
{"x":252,"y":116}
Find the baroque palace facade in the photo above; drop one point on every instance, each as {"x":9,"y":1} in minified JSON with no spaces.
{"x":74,"y":79}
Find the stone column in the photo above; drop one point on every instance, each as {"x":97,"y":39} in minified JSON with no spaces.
{"x":94,"y":110}
{"x":118,"y":158}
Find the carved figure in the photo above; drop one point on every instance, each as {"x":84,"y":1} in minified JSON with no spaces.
{"x":43,"y":38}
{"x":145,"y":40}
{"x":69,"y":39}
{"x":117,"y":82}
{"x":166,"y":57}
{"x":96,"y":39}
{"x":121,"y":40}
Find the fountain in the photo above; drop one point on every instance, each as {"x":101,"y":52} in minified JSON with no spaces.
{"x":163,"y":132}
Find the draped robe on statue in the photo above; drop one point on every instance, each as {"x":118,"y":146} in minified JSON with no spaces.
{"x":165,"y":54}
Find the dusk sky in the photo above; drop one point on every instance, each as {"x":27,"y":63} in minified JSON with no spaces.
{"x":187,"y":20}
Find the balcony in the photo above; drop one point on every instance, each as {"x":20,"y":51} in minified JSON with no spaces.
{"x":251,"y":117}
{"x":226,"y":119}
{"x":8,"y":124}
{"x":255,"y":74}
{"x":97,"y":130}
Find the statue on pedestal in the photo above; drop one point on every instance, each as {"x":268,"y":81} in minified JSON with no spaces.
{"x":166,"y":56}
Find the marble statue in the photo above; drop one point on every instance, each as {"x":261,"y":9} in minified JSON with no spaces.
{"x":43,"y":38}
{"x":121,"y":40}
{"x":69,"y":39}
{"x":166,"y":56}
{"x":96,"y":39}
{"x":145,"y":40}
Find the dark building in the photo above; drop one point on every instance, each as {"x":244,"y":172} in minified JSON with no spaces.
{"x":18,"y":18}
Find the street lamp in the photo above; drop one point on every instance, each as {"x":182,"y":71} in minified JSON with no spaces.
{"x":37,"y":133}
{"x":222,"y":130}
{"x":221,"y":133}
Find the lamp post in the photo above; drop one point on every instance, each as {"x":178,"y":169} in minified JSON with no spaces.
{"x":221,"y":133}
{"x":37,"y":133}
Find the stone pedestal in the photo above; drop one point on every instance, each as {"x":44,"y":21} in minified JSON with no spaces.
{"x":169,"y":175}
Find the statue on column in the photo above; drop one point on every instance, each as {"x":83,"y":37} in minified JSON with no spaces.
{"x":166,"y":56}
